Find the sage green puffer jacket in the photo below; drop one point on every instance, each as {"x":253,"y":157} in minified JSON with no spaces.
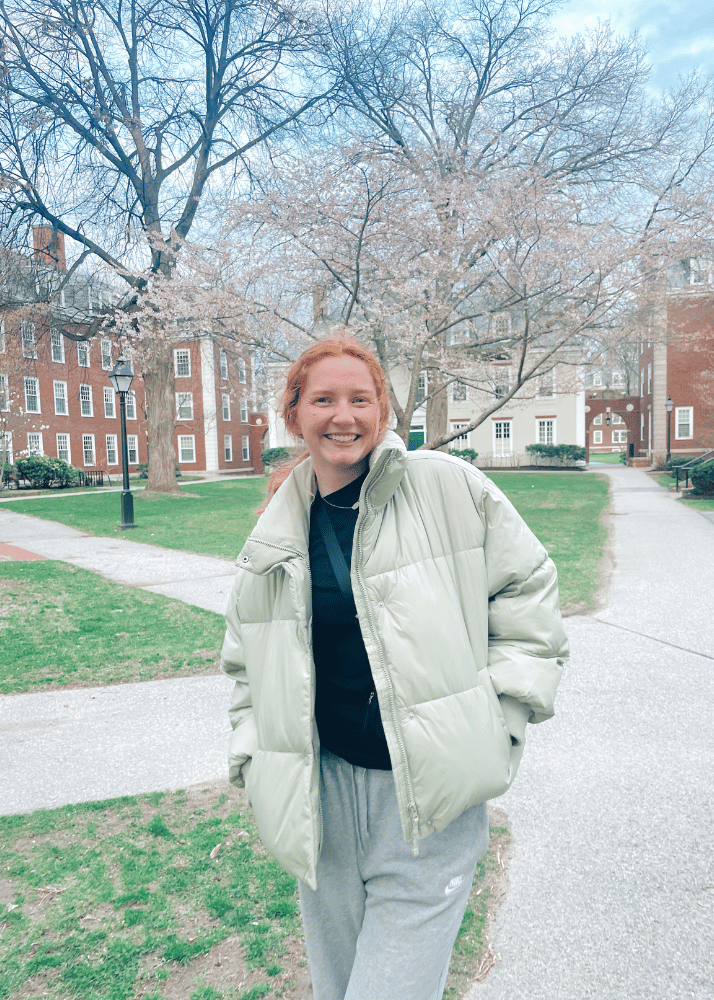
{"x":458,"y":605}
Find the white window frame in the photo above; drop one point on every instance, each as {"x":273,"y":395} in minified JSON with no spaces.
{"x":503,"y":425}
{"x":597,"y":380}
{"x":649,"y":379}
{"x":459,"y":392}
{"x":88,"y":448}
{"x":60,"y":397}
{"x":501,"y":381}
{"x":130,"y":405}
{"x":679,"y":411}
{"x":462,"y":441}
{"x":244,"y":411}
{"x":223,"y":364}
{"x":57,"y":346}
{"x":546,"y":385}
{"x":618,"y":379}
{"x":110,"y":409}
{"x":619,"y":436}
{"x":106,"y":349}
{"x":4,"y":393}
{"x":245,"y":447}
{"x":242,"y":376}
{"x":617,"y":419}
{"x":225,"y":406}
{"x":184,"y":406}
{"x":227,"y":448}
{"x":597,"y":419}
{"x":6,"y":442}
{"x":182,"y":359}
{"x":63,"y":445}
{"x":86,"y":402}
{"x":27,"y":337}
{"x":422,"y":387}
{"x":27,"y":379}
{"x":132,"y":449}
{"x":543,"y":424}
{"x":642,"y":382}
{"x":111,"y":444}
{"x":83,"y":354}
{"x":501,"y":324}
{"x":183,"y":448}
{"x":642,"y":426}
{"x":597,"y":437}
{"x":38,"y":447}
{"x":3,"y":342}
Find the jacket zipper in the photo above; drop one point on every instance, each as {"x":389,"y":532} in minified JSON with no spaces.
{"x":392,"y":709}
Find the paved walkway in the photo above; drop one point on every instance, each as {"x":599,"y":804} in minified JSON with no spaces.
{"x":612,"y":881}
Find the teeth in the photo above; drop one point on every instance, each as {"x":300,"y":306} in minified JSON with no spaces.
{"x":342,"y":438}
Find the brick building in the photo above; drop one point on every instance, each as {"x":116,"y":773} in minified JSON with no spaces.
{"x":611,"y":424}
{"x":55,"y":394}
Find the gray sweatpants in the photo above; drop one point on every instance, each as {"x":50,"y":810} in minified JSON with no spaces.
{"x":382,"y":923}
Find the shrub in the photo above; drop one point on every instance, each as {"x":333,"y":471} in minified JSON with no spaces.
{"x":468,"y":454}
{"x":677,"y":461}
{"x":703,"y":478}
{"x":44,"y":471}
{"x":562,"y":452}
{"x":274,"y":456}
{"x":623,"y":458}
{"x":143,"y":470}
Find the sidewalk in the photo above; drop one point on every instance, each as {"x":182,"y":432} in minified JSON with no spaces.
{"x":611,"y":891}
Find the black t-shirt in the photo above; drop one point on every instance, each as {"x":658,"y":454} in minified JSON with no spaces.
{"x":346,"y":706}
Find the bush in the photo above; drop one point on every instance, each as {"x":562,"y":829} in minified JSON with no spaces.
{"x":677,"y":461}
{"x":143,"y":470}
{"x":623,"y":458}
{"x":561,"y":452}
{"x":44,"y":471}
{"x":274,"y":456}
{"x":703,"y":478}
{"x":468,"y":454}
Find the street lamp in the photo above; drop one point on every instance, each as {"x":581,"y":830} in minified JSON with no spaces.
{"x":120,"y":377}
{"x":670,"y":406}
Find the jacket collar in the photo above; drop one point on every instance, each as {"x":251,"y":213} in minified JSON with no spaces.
{"x":285,"y":524}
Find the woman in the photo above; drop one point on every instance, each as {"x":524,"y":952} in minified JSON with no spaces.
{"x":393,"y":627}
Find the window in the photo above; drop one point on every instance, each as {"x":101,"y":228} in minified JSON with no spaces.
{"x":502,"y":437}
{"x":132,"y":449}
{"x":421,"y":387}
{"x":459,"y":392}
{"x":32,"y":394}
{"x":502,"y":382}
{"x":3,"y":345}
{"x":502,"y":324}
{"x":60,"y":389}
{"x":462,"y":441}
{"x":244,"y":411}
{"x":112,"y":456}
{"x":642,"y":426}
{"x":4,"y":393}
{"x":182,"y":362}
{"x":598,"y":419}
{"x":226,"y":405}
{"x":246,"y":448}
{"x":63,"y":447}
{"x":27,"y":335}
{"x":184,"y":406}
{"x":223,"y":364}
{"x":642,"y":381}
{"x":545,"y":432}
{"x":546,"y":386}
{"x":619,"y":437}
{"x":618,"y":380}
{"x":34,"y":444}
{"x":109,"y":404}
{"x":228,"y":447}
{"x":597,"y":380}
{"x":597,"y":437}
{"x":617,"y":419}
{"x":6,"y":445}
{"x":57,"y":346}
{"x":683,"y":422}
{"x":83,"y":353}
{"x":649,"y":378}
{"x":85,"y":401}
{"x":88,"y":448}
{"x":106,"y":355}
{"x":187,"y":448}
{"x":241,"y":370}
{"x":130,"y":403}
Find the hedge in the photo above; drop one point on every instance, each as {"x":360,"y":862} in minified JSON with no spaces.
{"x":563,"y":452}
{"x":44,"y":471}
{"x":703,"y":478}
{"x":274,"y":456}
{"x":468,"y":454}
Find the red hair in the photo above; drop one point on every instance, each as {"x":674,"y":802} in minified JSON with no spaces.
{"x":331,"y":347}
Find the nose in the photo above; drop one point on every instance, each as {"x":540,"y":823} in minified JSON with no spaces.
{"x":342,"y":413}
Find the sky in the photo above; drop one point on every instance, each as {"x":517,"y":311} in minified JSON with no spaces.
{"x":679,"y":34}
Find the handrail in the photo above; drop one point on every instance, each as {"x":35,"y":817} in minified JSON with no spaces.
{"x":688,"y":465}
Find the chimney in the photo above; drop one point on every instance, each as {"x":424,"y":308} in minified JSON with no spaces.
{"x":49,"y":247}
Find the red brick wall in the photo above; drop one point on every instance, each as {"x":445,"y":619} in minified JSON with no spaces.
{"x":610,"y":407}
{"x":690,"y":367}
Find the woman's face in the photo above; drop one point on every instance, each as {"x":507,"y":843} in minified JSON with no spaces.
{"x":338,"y":417}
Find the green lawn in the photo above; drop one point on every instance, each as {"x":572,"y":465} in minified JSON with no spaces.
{"x":698,"y":503}
{"x":167,"y":896}
{"x":62,"y":625}
{"x":609,"y":457}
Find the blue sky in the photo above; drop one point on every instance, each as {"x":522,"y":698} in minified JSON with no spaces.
{"x":678,"y":33}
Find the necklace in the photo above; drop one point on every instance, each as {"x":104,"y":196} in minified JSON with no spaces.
{"x":355,"y":506}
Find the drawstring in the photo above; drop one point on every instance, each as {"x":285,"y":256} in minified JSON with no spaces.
{"x":372,"y":708}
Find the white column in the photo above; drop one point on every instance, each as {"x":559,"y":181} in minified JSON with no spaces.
{"x":210,"y":416}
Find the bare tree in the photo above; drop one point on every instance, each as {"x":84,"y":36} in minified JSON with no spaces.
{"x":121,"y":121}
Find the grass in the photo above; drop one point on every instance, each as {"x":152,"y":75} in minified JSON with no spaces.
{"x":609,"y":457}
{"x":564,"y":510}
{"x":122,"y":899}
{"x":698,"y":503}
{"x":210,"y":518}
{"x":60,"y":625}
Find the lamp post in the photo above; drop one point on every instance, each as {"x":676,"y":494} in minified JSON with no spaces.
{"x":121,"y":377}
{"x":670,"y":406}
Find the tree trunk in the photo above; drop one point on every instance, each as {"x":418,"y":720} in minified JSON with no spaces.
{"x":160,"y":405}
{"x":437,"y":410}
